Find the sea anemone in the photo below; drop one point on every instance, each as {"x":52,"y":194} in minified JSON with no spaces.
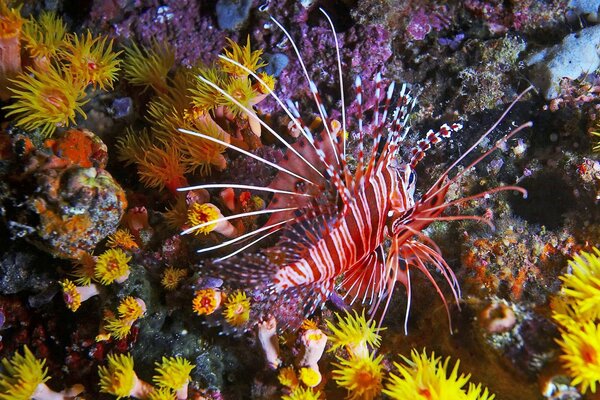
{"x":582,"y":285}
{"x":112,"y":265}
{"x":581,"y":354}
{"x":119,"y":379}
{"x":46,"y":100}
{"x":354,"y":333}
{"x":123,"y":239}
{"x":361,"y":376}
{"x":173,"y":373}
{"x":91,"y":60}
{"x":149,"y":67}
{"x":171,"y":277}
{"x":301,"y":393}
{"x":426,"y":378}
{"x":75,"y":295}
{"x":44,"y":37}
{"x":206,"y":301}
{"x":237,"y":308}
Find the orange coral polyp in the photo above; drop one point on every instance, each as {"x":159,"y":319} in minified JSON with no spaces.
{"x":10,"y":21}
{"x":206,"y":301}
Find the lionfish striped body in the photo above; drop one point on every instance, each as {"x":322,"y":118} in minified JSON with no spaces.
{"x":361,"y":229}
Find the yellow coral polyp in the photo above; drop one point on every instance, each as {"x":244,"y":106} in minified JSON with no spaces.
{"x":84,"y":270}
{"x":206,"y":301}
{"x":162,"y":394}
{"x":117,"y":327}
{"x":123,"y":239}
{"x":131,"y":308}
{"x":149,"y":67}
{"x":171,"y":277}
{"x":424,"y":377}
{"x":243,"y":55}
{"x":10,"y":21}
{"x":92,"y":60}
{"x":173,"y":373}
{"x":112,"y":265}
{"x":44,"y":37}
{"x":360,"y":376}
{"x":237,"y":308}
{"x":301,"y":393}
{"x":287,"y":377}
{"x":354,"y":333}
{"x":117,"y":377}
{"x":204,"y":96}
{"x":241,"y":90}
{"x":581,"y":355}
{"x":309,"y":377}
{"x":582,"y":285}
{"x":199,"y":214}
{"x":71,"y":295}
{"x":22,"y":375}
{"x":46,"y":100}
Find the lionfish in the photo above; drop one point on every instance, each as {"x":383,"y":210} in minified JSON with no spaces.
{"x":357,"y":231}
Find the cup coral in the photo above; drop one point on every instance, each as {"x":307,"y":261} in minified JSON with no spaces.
{"x":205,"y":218}
{"x":206,"y":301}
{"x":174,"y":373}
{"x":576,"y":309}
{"x":581,"y":355}
{"x":46,"y":100}
{"x":354,"y":333}
{"x":123,"y":239}
{"x":301,"y":393}
{"x":582,"y":285}
{"x":119,"y":379}
{"x":171,"y":277}
{"x":75,"y":295}
{"x":237,"y":309}
{"x":361,"y":376}
{"x":91,"y":60}
{"x":149,"y":66}
{"x":424,"y":377}
{"x":130,"y":309}
{"x":43,"y":38}
{"x":24,"y":378}
{"x":112,"y":265}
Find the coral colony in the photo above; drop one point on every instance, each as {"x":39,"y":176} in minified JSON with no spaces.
{"x":232,"y":200}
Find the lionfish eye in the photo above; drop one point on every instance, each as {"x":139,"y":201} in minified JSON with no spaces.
{"x":412,"y":178}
